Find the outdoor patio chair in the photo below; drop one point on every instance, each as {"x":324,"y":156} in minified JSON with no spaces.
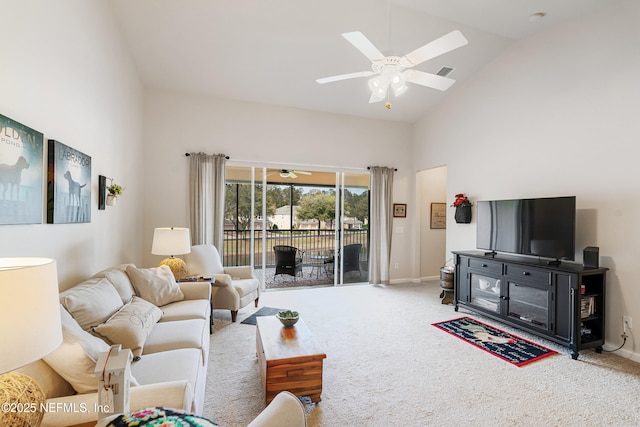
{"x":235,"y":286}
{"x":352,"y":258}
{"x":288,"y":260}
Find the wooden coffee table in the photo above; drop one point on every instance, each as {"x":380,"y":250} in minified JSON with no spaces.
{"x":290,"y":359}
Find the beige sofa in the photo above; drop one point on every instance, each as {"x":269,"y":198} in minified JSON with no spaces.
{"x":167,"y":326}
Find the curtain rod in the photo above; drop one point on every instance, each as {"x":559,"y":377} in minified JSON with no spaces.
{"x":188,"y":154}
{"x":395,"y":169}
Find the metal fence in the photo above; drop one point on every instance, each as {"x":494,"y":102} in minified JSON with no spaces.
{"x":237,"y":244}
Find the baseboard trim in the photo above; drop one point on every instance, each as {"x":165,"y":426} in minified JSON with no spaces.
{"x":627,"y":354}
{"x":406,"y":280}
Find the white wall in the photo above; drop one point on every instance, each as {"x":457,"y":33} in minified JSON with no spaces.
{"x":64,"y":72}
{"x":255,"y":134}
{"x":556,"y":114}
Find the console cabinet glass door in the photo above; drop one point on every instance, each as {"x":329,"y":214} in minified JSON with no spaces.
{"x":485,"y":292}
{"x":529,"y":304}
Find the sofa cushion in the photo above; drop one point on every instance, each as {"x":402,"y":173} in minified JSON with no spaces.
{"x":156,"y":285}
{"x":120,"y":280}
{"x":130,"y":326}
{"x":75,"y":359}
{"x":91,"y":302}
{"x":181,"y":334}
{"x":187,"y":309}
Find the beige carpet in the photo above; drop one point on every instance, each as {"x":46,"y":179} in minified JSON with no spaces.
{"x":387,"y":366}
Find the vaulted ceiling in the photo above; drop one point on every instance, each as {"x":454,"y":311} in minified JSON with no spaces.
{"x":272,"y":51}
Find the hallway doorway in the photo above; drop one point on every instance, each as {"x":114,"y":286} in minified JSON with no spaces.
{"x":431,"y":185}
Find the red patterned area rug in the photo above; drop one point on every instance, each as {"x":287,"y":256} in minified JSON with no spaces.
{"x":511,"y":348}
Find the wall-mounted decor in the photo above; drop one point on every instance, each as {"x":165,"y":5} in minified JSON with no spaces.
{"x":102,"y":192}
{"x":21,"y":173}
{"x":68,"y":185}
{"x":438,"y":215}
{"x":399,"y":210}
{"x":108,"y":194}
{"x":114,"y":190}
{"x":463,"y":209}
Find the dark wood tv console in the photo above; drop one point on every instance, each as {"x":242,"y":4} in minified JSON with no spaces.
{"x":563,"y":303}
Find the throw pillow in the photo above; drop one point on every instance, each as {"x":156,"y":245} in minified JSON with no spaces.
{"x":130,"y":326}
{"x":91,"y":302}
{"x":160,"y":416}
{"x":119,"y":279}
{"x":156,"y":285}
{"x":75,"y":359}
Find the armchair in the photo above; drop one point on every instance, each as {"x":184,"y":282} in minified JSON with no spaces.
{"x":240,"y":287}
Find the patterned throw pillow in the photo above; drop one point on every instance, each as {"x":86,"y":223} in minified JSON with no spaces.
{"x":159,"y":416}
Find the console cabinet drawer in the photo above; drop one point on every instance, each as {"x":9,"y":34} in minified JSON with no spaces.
{"x":518,"y":272}
{"x":488,"y":266}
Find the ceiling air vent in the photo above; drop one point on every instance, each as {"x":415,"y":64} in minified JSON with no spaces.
{"x":445,"y":71}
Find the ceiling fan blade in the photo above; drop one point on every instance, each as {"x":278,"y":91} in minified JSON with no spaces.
{"x":344,"y":77}
{"x":427,"y":79}
{"x":444,"y":44}
{"x":302,"y":172}
{"x":292,"y":175}
{"x":360,"y":42}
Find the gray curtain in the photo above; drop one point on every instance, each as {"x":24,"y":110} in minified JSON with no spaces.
{"x":381,"y":223}
{"x":206,"y":199}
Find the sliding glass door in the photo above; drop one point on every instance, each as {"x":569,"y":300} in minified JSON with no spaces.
{"x":323,"y":215}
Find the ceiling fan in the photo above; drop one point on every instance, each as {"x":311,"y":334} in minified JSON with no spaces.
{"x":287,"y":173}
{"x":394,"y":71}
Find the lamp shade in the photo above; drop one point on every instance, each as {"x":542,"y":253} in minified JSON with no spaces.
{"x":171,"y":241}
{"x":30,"y":326}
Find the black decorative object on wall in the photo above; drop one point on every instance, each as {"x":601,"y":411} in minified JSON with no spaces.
{"x":102,"y":192}
{"x":463,"y":214}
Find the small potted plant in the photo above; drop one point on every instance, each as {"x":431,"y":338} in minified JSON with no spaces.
{"x":463,"y":209}
{"x":114,"y":191}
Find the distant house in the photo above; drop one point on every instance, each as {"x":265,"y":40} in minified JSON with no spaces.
{"x":352,"y":224}
{"x":229,"y":225}
{"x":282,"y":217}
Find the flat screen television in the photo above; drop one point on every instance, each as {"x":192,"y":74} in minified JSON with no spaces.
{"x":542,"y":227}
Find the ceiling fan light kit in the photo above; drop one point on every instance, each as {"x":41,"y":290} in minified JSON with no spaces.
{"x":394,"y":71}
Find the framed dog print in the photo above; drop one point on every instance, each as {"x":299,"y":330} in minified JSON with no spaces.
{"x":68,"y":185}
{"x":21,"y":173}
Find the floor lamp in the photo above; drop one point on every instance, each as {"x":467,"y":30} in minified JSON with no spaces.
{"x":172,"y":241}
{"x":30,"y":328}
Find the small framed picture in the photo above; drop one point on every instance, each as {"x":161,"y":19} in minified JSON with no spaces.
{"x":438,"y":215}
{"x":399,"y":210}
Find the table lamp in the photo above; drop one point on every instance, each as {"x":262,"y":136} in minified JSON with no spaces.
{"x":30,"y":328}
{"x":172,"y":241}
